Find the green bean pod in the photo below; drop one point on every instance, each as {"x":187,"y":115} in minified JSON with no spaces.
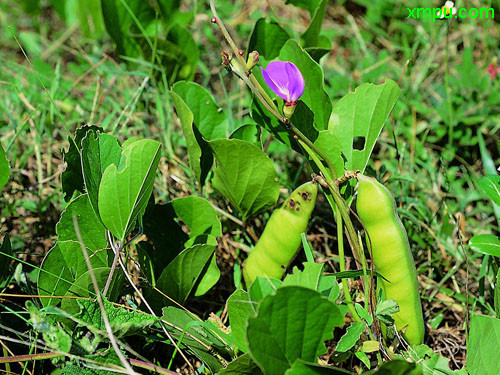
{"x":281,"y":238}
{"x":391,"y":255}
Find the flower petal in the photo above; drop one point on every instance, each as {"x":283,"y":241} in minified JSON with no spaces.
{"x":296,"y":81}
{"x":272,"y":85}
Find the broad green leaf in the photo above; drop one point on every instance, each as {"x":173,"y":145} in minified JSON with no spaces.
{"x":490,"y":184}
{"x":291,"y":324}
{"x":330,"y":145}
{"x":209,"y":278}
{"x":91,"y":229}
{"x":358,"y":118}
{"x":4,"y":168}
{"x":262,"y":287}
{"x":72,"y":177}
{"x":397,"y":367}
{"x":98,"y":152}
{"x":308,"y":277}
{"x":311,"y":35}
{"x":124,"y":191}
{"x":300,"y":367}
{"x":249,"y":132}
{"x":351,"y":337}
{"x":239,"y":309}
{"x":123,"y":322}
{"x":5,"y":260}
{"x":486,"y":244}
{"x":208,"y":119}
{"x":314,"y":95}
{"x":198,"y":215}
{"x":483,"y":344}
{"x":245,"y":176}
{"x":267,"y":38}
{"x":179,"y":278}
{"x":243,"y":365}
{"x":200,"y":156}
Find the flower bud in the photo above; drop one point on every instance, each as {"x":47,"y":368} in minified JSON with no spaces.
{"x":253,"y":59}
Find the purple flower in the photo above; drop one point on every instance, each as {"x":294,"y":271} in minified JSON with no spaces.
{"x":285,"y":79}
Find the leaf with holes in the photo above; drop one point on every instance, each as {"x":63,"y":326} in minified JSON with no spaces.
{"x":358,"y":118}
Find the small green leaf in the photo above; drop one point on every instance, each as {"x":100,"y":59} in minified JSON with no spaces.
{"x":490,"y":184}
{"x":207,"y":117}
{"x":125,"y":190}
{"x":486,"y":244}
{"x":291,"y":324}
{"x":309,"y":277}
{"x":267,"y":38}
{"x":243,"y":365}
{"x":4,"y":168}
{"x":199,"y":153}
{"x":239,"y":309}
{"x":262,"y":287}
{"x":179,"y":278}
{"x":209,"y":278}
{"x":245,"y":175}
{"x":122,"y":322}
{"x":351,"y":337}
{"x":385,"y":309}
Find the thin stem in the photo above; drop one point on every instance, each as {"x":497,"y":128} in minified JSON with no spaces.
{"x":31,"y":357}
{"x":345,"y":287}
{"x":113,"y":267}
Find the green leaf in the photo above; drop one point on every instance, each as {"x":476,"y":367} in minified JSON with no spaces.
{"x":330,"y":145}
{"x":249,"y":132}
{"x":309,"y":5}
{"x":122,"y":322}
{"x":267,"y":38}
{"x":311,"y":35}
{"x":358,"y":118}
{"x":4,"y":168}
{"x":314,"y":95}
{"x":245,"y":175}
{"x":486,"y":244}
{"x":243,"y":365}
{"x":199,"y":153}
{"x":490,"y":184}
{"x":385,"y":309}
{"x":300,"y":367}
{"x":397,"y":367}
{"x":91,"y":229}
{"x":291,"y":324}
{"x":328,"y":287}
{"x":262,"y":287}
{"x":5,"y":259}
{"x":179,"y":278}
{"x":351,"y":337}
{"x":209,"y":278}
{"x":483,"y":344}
{"x":124,"y":191}
{"x":98,"y":152}
{"x":428,"y":362}
{"x":309,"y":277}
{"x":208,"y":119}
{"x":72,"y":177}
{"x":239,"y":309}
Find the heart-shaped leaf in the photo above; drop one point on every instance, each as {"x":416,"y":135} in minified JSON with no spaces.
{"x":124,"y":191}
{"x":244,"y":175}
